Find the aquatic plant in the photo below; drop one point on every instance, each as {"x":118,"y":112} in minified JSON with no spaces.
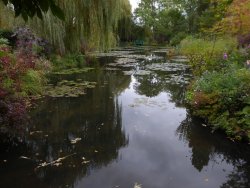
{"x":68,"y":88}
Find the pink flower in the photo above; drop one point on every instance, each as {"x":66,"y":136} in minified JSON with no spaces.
{"x":225,"y":56}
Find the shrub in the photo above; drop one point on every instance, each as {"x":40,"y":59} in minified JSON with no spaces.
{"x":222,"y":97}
{"x":68,"y":61}
{"x":22,"y":74}
{"x":207,"y":55}
{"x":177,"y":38}
{"x":28,"y":44}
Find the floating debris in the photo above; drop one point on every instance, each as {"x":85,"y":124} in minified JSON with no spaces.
{"x":137,"y":185}
{"x":85,"y":162}
{"x":23,"y":157}
{"x":57,"y":162}
{"x":36,"y":132}
{"x":74,"y":141}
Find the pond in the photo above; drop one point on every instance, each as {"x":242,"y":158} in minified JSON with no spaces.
{"x":121,"y":124}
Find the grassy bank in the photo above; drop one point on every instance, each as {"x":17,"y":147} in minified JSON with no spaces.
{"x":220,"y":90}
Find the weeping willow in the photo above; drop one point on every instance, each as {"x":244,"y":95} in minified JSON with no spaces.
{"x":88,"y":24}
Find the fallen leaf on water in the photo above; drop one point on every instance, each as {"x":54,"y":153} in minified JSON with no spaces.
{"x":137,"y":185}
{"x":23,"y":157}
{"x":74,"y":141}
{"x":36,"y":132}
{"x":56,"y":162}
{"x":85,"y":162}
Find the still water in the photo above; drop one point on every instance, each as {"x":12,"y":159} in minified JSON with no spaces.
{"x":131,"y":130}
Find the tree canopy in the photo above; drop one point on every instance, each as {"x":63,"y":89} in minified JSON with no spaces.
{"x":30,"y":8}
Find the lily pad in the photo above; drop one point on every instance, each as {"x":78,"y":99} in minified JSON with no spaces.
{"x":142,"y":72}
{"x":68,"y":88}
{"x":167,"y":67}
{"x":73,"y":71}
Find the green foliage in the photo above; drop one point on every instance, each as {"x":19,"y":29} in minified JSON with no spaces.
{"x":222,"y":97}
{"x":87,"y":23}
{"x":4,"y":41}
{"x":206,"y":55}
{"x":32,"y":82}
{"x":7,"y":83}
{"x":177,"y":38}
{"x":30,"y":8}
{"x":68,"y":61}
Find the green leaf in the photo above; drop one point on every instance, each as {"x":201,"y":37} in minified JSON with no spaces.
{"x":246,"y":110}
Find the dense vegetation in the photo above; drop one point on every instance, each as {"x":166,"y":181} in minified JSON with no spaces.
{"x":213,"y":34}
{"x":87,"y":25}
{"x":22,"y":73}
{"x":71,"y":29}
{"x":220,"y":90}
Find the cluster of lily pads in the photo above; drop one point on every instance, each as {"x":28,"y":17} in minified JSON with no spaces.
{"x":66,"y":88}
{"x":167,"y":67}
{"x":73,"y":71}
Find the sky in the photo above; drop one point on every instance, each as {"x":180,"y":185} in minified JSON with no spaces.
{"x":134,"y":4}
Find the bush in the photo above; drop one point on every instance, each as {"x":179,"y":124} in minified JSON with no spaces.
{"x":68,"y":61}
{"x":22,"y":73}
{"x":207,"y":55}
{"x":28,"y":44}
{"x":177,"y":38}
{"x":222,"y":97}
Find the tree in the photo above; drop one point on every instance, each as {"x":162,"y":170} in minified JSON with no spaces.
{"x":30,"y":8}
{"x":236,"y":21}
{"x":146,"y":15}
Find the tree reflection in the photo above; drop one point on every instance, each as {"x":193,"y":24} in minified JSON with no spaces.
{"x":207,"y":147}
{"x":95,"y":118}
{"x":157,"y":82}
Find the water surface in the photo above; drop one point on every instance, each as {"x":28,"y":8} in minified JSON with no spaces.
{"x":131,"y":128}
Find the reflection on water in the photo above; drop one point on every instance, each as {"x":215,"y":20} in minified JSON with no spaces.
{"x":129,"y":129}
{"x":208,"y":147}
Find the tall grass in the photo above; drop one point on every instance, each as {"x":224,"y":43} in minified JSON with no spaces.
{"x":33,"y":82}
{"x":205,"y":54}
